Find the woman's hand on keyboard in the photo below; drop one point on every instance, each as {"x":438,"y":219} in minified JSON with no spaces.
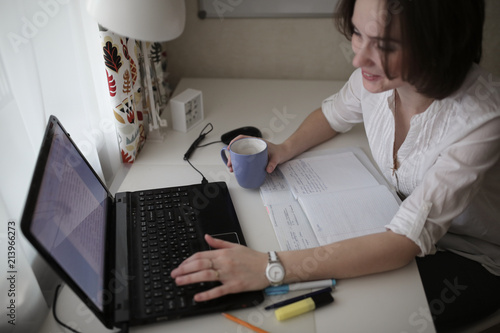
{"x":237,"y":267}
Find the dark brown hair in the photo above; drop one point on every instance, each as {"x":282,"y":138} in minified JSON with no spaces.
{"x":441,"y":40}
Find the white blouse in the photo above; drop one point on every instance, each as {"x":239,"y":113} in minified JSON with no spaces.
{"x":448,"y":165}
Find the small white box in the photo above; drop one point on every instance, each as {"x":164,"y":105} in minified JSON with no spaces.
{"x":187,"y":109}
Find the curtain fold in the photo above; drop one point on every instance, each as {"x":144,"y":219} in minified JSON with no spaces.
{"x":49,"y":57}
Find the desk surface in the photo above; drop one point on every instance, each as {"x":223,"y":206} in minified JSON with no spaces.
{"x":387,"y":302}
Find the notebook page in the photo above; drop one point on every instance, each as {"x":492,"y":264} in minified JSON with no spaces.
{"x":275,"y":189}
{"x":341,"y":215}
{"x":293,"y":230}
{"x":328,"y":173}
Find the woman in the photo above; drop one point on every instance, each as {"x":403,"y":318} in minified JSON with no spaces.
{"x":432,"y":118}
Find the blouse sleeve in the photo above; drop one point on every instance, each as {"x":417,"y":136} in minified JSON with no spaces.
{"x":448,"y":187}
{"x":343,"y":109}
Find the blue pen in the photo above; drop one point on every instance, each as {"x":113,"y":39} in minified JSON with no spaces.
{"x":283,"y":289}
{"x":298,"y":298}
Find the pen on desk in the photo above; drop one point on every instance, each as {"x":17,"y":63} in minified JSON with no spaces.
{"x":300,"y":307}
{"x":298,"y":298}
{"x":243,"y":323}
{"x":283,"y":289}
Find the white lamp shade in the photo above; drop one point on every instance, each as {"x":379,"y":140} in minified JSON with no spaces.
{"x":147,"y":20}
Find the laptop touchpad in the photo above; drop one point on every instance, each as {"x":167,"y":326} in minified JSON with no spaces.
{"x":228,"y":237}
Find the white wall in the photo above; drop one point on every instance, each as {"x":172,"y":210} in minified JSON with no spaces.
{"x":280,"y":48}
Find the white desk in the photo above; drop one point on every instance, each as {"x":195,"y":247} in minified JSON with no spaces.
{"x":387,"y":302}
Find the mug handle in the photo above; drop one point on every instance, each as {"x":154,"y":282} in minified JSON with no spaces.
{"x":223,"y":155}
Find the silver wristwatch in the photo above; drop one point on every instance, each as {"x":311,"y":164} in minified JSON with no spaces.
{"x":275,"y":272}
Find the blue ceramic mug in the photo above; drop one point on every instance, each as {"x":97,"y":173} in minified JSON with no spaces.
{"x":249,"y":160}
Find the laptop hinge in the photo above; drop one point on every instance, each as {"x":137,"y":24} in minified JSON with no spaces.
{"x":120,"y":277}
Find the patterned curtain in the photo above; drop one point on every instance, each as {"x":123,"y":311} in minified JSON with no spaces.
{"x":130,"y":87}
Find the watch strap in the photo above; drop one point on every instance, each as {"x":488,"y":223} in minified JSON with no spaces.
{"x":273,"y":256}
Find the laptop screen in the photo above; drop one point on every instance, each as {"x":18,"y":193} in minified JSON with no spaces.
{"x":69,"y":218}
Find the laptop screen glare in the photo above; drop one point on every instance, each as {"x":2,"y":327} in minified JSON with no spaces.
{"x":70,"y":217}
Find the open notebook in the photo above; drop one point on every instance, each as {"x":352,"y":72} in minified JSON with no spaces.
{"x":326,"y":196}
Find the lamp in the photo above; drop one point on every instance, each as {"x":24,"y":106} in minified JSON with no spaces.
{"x":145,"y":20}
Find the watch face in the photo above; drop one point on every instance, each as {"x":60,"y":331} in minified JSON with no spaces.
{"x":275,"y":273}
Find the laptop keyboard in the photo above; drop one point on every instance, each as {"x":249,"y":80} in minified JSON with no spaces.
{"x":167,"y":227}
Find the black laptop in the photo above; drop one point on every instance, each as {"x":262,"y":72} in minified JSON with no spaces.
{"x":116,"y":253}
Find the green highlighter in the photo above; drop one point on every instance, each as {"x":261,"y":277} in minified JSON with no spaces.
{"x":303,"y":306}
